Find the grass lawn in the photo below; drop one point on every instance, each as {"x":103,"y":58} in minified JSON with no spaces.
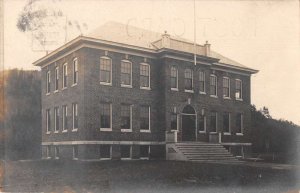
{"x":145,"y":176}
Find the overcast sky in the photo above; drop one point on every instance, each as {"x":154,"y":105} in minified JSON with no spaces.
{"x":263,"y":35}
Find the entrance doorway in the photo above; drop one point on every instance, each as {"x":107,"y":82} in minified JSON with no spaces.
{"x":188,"y":124}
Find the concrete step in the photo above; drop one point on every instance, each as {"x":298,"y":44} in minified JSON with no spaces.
{"x":207,"y":153}
{"x":211,"y":158}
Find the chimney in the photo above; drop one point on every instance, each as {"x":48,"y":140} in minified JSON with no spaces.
{"x":207,"y":49}
{"x":165,"y":40}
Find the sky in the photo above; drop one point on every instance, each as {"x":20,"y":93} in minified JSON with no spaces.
{"x":263,"y":35}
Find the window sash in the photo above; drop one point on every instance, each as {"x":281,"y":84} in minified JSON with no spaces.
{"x":213,"y":85}
{"x":202,"y":123}
{"x":48,"y":120}
{"x":239,"y":122}
{"x":226,"y":122}
{"x":56,"y":78}
{"x":145,"y":118}
{"x":105,"y":115}
{"x":75,"y":71}
{"x":174,"y":77}
{"x":213,"y":121}
{"x":65,"y":75}
{"x":144,"y":75}
{"x":56,"y":119}
{"x":65,"y":118}
{"x":202,"y":81}
{"x":126,"y":117}
{"x":174,"y":122}
{"x":48,"y":82}
{"x":75,"y":115}
{"x":238,"y":89}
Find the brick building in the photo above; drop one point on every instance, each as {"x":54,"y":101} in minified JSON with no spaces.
{"x":124,"y":92}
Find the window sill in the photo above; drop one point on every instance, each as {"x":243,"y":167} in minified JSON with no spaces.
{"x":145,"y":131}
{"x":74,"y":84}
{"x":174,"y":130}
{"x":105,"y":129}
{"x":127,"y":158}
{"x":213,"y":96}
{"x":174,"y":89}
{"x":202,"y":132}
{"x":103,"y":159}
{"x":213,"y":132}
{"x":145,"y":88}
{"x":75,"y":158}
{"x":226,"y":133}
{"x":189,"y":91}
{"x":74,"y":130}
{"x":48,"y":132}
{"x":238,"y":99}
{"x":57,"y":158}
{"x":47,"y":94}
{"x":126,"y":130}
{"x":106,"y":83}
{"x":126,"y":86}
{"x":64,"y":88}
{"x":55,"y":131}
{"x":64,"y":131}
{"x":227,"y":98}
{"x":144,"y":158}
{"x":239,"y":134}
{"x":202,"y":92}
{"x":56,"y":91}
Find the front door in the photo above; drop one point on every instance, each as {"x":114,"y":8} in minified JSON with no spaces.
{"x":188,"y":127}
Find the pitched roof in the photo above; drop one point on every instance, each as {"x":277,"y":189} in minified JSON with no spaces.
{"x":131,"y":35}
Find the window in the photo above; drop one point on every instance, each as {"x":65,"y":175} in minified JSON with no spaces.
{"x":105,"y":152}
{"x":238,"y":89}
{"x":174,"y":121}
{"x":126,"y":73}
{"x":226,"y":87}
{"x":56,"y":153}
{"x":56,"y":119}
{"x":213,"y":121}
{"x":48,"y":152}
{"x":56,"y":78}
{"x":188,"y":79}
{"x":48,"y":121}
{"x":125,"y":151}
{"x":226,"y":123}
{"x":75,"y":71}
{"x":75,"y":152}
{"x":144,"y":151}
{"x":105,"y":70}
{"x":48,"y":82}
{"x":65,"y":75}
{"x":65,"y":118}
{"x":202,"y":124}
{"x":174,"y":78}
{"x":239,"y":123}
{"x":105,"y":117}
{"x":202,"y":82}
{"x":126,"y":117}
{"x":145,"y":118}
{"x":75,"y":116}
{"x":144,"y":76}
{"x":213,"y":85}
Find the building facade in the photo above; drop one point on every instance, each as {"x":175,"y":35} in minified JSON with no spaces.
{"x":123,"y":96}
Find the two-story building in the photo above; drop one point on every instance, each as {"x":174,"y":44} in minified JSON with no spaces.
{"x":124,"y":92}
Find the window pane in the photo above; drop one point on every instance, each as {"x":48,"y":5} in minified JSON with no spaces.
{"x":105,"y":115}
{"x":239,"y":122}
{"x":144,"y":117}
{"x":213,"y":121}
{"x":173,"y":121}
{"x":125,"y":117}
{"x":56,"y":118}
{"x":226,"y":122}
{"x":144,"y":75}
{"x":144,"y":151}
{"x":226,"y":83}
{"x":202,"y":81}
{"x":201,"y":123}
{"x":213,"y":85}
{"x":173,"y":77}
{"x":105,"y":70}
{"x":75,"y":115}
{"x":125,"y":73}
{"x":48,"y":120}
{"x":125,"y":151}
{"x":65,"y":121}
{"x":238,"y":89}
{"x":105,"y":151}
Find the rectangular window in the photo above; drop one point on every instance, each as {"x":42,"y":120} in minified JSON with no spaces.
{"x":126,"y":117}
{"x":56,"y":153}
{"x":145,"y":118}
{"x":188,"y":79}
{"x":75,"y":116}
{"x":213,"y":85}
{"x":239,"y":123}
{"x":56,"y":119}
{"x":105,"y":117}
{"x":126,"y":73}
{"x":75,"y":152}
{"x":75,"y":71}
{"x":56,"y":78}
{"x":144,"y":76}
{"x":202,"y":124}
{"x":226,"y":123}
{"x":226,"y":87}
{"x":105,"y":152}
{"x":238,"y":89}
{"x":144,"y":151}
{"x":48,"y":84}
{"x":65,"y":75}
{"x":48,"y":152}
{"x":213,"y":121}
{"x":65,"y":118}
{"x":174,"y":78}
{"x":174,"y":121}
{"x":105,"y":70}
{"x":48,"y":121}
{"x":202,"y":82}
{"x":125,"y":151}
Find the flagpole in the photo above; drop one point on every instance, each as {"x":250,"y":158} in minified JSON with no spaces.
{"x":195,"y":45}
